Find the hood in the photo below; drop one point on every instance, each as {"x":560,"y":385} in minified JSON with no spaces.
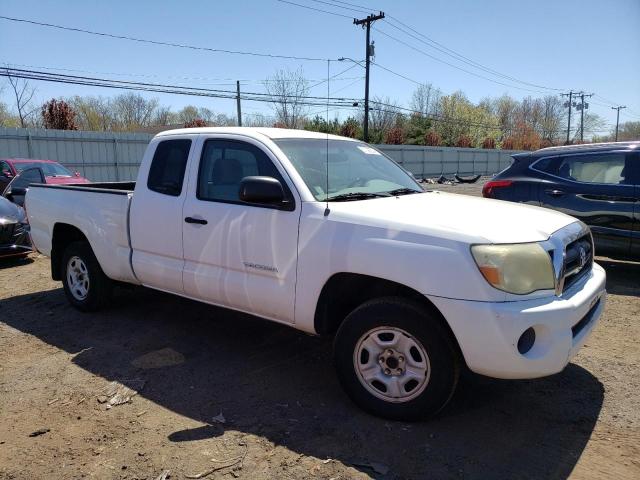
{"x":65,"y":180}
{"x":10,"y":212}
{"x":455,"y":216}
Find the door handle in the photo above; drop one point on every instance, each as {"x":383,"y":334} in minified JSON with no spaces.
{"x":199,"y":221}
{"x":554,"y":193}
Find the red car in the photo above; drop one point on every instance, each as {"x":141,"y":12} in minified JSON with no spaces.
{"x":54,"y":172}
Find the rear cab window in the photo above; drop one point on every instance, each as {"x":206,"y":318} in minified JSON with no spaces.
{"x":166,"y":173}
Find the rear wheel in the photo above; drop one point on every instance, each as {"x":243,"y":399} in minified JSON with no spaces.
{"x":86,"y":286}
{"x":395,"y":359}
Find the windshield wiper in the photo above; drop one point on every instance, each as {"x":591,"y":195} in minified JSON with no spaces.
{"x":344,"y":197}
{"x":403,"y":191}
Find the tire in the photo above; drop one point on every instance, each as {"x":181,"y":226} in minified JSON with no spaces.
{"x":395,"y":359}
{"x":86,"y":286}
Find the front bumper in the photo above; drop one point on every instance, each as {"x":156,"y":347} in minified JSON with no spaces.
{"x":488,"y":332}
{"x":14,"y":240}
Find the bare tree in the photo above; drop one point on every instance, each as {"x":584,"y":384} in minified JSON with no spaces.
{"x":383,"y":114}
{"x":132,"y":110}
{"x":552,"y":117}
{"x":188,"y":114}
{"x":93,"y":113}
{"x":629,"y":131}
{"x":258,"y":120}
{"x":164,"y":116}
{"x":287,"y":89}
{"x":505,"y":109}
{"x":425,"y":99}
{"x":593,"y":124}
{"x":23,"y":93}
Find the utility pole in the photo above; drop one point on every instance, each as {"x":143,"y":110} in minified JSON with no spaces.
{"x":618,"y":118}
{"x":366,"y":23}
{"x":238,"y":103}
{"x":568,"y":104}
{"x":582,"y":107}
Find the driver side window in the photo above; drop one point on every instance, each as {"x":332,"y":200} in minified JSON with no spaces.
{"x":225,"y":163}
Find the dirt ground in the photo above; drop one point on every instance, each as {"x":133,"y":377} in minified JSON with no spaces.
{"x":225,"y":393}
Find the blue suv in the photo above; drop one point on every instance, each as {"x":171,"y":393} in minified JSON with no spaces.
{"x":596,"y":183}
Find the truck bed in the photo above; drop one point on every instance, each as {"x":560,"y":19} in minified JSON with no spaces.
{"x":100,"y":211}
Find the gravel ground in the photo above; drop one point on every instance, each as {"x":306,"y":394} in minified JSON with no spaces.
{"x":233,"y":395}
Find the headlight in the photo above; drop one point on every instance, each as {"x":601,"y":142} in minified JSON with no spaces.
{"x":518,"y":268}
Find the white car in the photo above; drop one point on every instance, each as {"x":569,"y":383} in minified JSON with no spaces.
{"x":328,"y":235}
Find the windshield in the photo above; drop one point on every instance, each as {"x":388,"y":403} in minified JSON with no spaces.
{"x":356,"y":170}
{"x":49,"y":169}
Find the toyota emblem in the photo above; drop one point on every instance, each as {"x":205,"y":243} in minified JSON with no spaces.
{"x":583,"y":257}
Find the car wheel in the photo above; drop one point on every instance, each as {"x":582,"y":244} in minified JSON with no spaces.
{"x":396,"y":360}
{"x":86,"y":286}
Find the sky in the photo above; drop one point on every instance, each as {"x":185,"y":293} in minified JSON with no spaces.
{"x":557,"y":45}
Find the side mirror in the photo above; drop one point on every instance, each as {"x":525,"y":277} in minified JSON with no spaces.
{"x":262,"y":190}
{"x":16,"y":191}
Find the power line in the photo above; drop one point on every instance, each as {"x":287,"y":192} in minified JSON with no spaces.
{"x":334,"y":76}
{"x":397,"y":74}
{"x":358,"y":80}
{"x":126,"y":82}
{"x":452,"y":53}
{"x":163,"y":88}
{"x":336,"y":103}
{"x":158,"y":42}
{"x":407,"y":30}
{"x":232,"y":81}
{"x":333,"y":4}
{"x":452,"y":65}
{"x":315,"y":9}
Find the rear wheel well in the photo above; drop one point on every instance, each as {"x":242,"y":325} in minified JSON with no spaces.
{"x":344,"y":292}
{"x":63,"y":235}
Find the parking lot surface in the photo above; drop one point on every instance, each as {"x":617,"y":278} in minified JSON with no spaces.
{"x":209,"y":391}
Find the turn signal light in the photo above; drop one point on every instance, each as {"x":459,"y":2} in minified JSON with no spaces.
{"x":489,"y":188}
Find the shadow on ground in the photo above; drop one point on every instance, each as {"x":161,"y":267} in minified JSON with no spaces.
{"x":275,"y":382}
{"x":10,"y":262}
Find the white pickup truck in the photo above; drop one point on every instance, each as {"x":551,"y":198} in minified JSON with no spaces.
{"x":328,"y":235}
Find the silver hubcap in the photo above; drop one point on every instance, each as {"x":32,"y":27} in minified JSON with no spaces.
{"x":391,"y":364}
{"x":77,"y":278}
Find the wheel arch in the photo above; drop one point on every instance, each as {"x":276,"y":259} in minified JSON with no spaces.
{"x":63,"y":235}
{"x":344,"y":292}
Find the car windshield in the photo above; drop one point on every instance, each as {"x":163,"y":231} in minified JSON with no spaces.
{"x":355,"y":170}
{"x":49,"y":169}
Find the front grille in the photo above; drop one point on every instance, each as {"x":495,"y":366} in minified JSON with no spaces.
{"x":577,"y":260}
{"x":7,"y":233}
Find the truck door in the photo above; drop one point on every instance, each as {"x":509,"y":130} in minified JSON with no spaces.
{"x":156,"y":216}
{"x":597,"y":189}
{"x":239,"y":255}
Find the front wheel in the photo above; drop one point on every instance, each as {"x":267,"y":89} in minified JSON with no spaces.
{"x":395,"y":359}
{"x":86,"y":286}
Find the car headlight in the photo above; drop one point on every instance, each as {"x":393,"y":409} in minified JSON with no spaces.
{"x":518,"y":268}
